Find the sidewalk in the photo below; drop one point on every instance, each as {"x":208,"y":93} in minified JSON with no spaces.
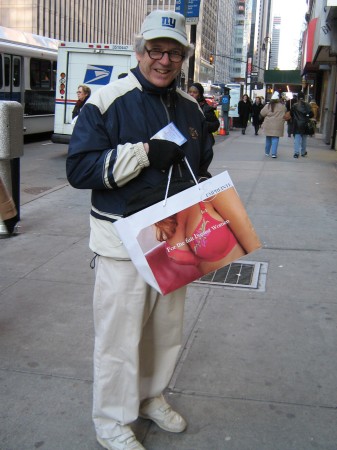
{"x":258,"y":366}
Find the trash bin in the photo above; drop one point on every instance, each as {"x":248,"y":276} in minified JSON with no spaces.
{"x":11,"y":149}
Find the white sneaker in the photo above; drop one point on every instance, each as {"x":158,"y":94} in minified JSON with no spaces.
{"x":124,"y":440}
{"x":159,"y":411}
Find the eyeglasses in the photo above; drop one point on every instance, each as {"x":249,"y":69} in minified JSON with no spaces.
{"x":174,"y":56}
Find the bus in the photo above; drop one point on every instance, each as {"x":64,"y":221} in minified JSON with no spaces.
{"x":28,"y":76}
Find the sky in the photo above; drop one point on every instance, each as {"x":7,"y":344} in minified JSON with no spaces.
{"x":292,"y":14}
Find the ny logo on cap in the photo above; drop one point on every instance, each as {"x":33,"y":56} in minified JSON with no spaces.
{"x":168,"y":22}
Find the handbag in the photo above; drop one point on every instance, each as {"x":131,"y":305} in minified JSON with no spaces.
{"x":309,"y":127}
{"x":287,"y":116}
{"x":194,"y":232}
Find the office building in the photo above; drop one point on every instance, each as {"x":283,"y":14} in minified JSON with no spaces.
{"x":275,"y":43}
{"x":114,"y":21}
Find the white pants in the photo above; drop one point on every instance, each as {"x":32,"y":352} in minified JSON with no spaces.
{"x":138,"y":335}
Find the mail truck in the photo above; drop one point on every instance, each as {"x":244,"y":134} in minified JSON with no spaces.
{"x":94,"y":65}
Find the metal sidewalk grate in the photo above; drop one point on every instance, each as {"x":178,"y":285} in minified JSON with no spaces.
{"x":242,"y":274}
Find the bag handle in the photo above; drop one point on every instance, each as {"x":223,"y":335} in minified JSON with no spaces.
{"x":170,"y":175}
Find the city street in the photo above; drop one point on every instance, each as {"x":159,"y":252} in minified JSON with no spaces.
{"x":258,"y":366}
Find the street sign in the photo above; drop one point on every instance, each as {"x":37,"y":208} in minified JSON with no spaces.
{"x":189,"y":9}
{"x":253,"y":74}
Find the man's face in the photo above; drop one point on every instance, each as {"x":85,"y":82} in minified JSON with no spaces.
{"x":161,"y":72}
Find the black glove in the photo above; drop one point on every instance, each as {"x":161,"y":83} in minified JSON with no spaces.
{"x":162,"y":154}
{"x":203,"y":176}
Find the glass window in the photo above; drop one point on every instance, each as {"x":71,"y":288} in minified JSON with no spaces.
{"x":7,"y":70}
{"x":54,"y":64}
{"x":1,"y":77}
{"x":16,"y":72}
{"x":40,"y":74}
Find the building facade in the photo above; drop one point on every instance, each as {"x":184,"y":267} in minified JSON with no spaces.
{"x":206,"y":37}
{"x":275,"y":43}
{"x":224,"y":41}
{"x":261,"y":50}
{"x":241,"y":33}
{"x":109,"y":21}
{"x":225,"y":29}
{"x":318,"y":65}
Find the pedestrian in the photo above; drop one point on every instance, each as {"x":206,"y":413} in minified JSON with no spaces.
{"x":244,"y":110}
{"x":315,"y":110}
{"x":301,"y":112}
{"x":273,"y":124}
{"x":256,"y":109}
{"x":83,"y":93}
{"x":138,"y":332}
{"x":290,"y":102}
{"x":8,"y":211}
{"x":196,"y":90}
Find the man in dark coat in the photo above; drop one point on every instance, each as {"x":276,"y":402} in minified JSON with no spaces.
{"x":256,"y":109}
{"x":300,"y":113}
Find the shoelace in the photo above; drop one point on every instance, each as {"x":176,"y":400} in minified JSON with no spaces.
{"x":126,"y":438}
{"x":166,"y":409}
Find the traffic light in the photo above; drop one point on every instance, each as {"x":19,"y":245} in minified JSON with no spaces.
{"x":211,"y":59}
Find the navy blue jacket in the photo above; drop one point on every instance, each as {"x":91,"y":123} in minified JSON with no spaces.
{"x":106,"y":152}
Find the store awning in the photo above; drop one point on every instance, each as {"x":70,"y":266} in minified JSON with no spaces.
{"x":282,"y":76}
{"x":308,"y":45}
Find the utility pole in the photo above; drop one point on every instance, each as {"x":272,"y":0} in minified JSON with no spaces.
{"x":191,"y":63}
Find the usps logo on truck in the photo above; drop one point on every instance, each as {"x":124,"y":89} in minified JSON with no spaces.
{"x":98,"y":74}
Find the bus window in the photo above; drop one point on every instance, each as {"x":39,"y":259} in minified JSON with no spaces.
{"x":40,"y":72}
{"x":1,"y":78}
{"x":7,"y":70}
{"x":16,"y":72}
{"x":54,"y":64}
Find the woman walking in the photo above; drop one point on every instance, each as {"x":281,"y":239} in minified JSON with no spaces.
{"x":196,"y":90}
{"x":273,"y":124}
{"x":256,"y":109}
{"x":244,"y":110}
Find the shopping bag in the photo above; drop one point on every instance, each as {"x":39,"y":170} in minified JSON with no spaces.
{"x":309,"y":127}
{"x":189,"y":234}
{"x":7,"y":206}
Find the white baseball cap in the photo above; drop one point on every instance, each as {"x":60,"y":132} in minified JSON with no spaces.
{"x":275,"y":96}
{"x":165,"y":24}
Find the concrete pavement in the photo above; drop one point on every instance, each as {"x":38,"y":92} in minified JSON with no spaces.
{"x":258,"y":367}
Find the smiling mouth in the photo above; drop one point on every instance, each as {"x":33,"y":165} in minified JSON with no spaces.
{"x":163,"y":71}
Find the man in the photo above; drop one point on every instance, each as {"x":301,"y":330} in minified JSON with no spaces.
{"x":300,"y":113}
{"x":137,"y":331}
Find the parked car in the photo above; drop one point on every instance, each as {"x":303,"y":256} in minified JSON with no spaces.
{"x":210,"y":99}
